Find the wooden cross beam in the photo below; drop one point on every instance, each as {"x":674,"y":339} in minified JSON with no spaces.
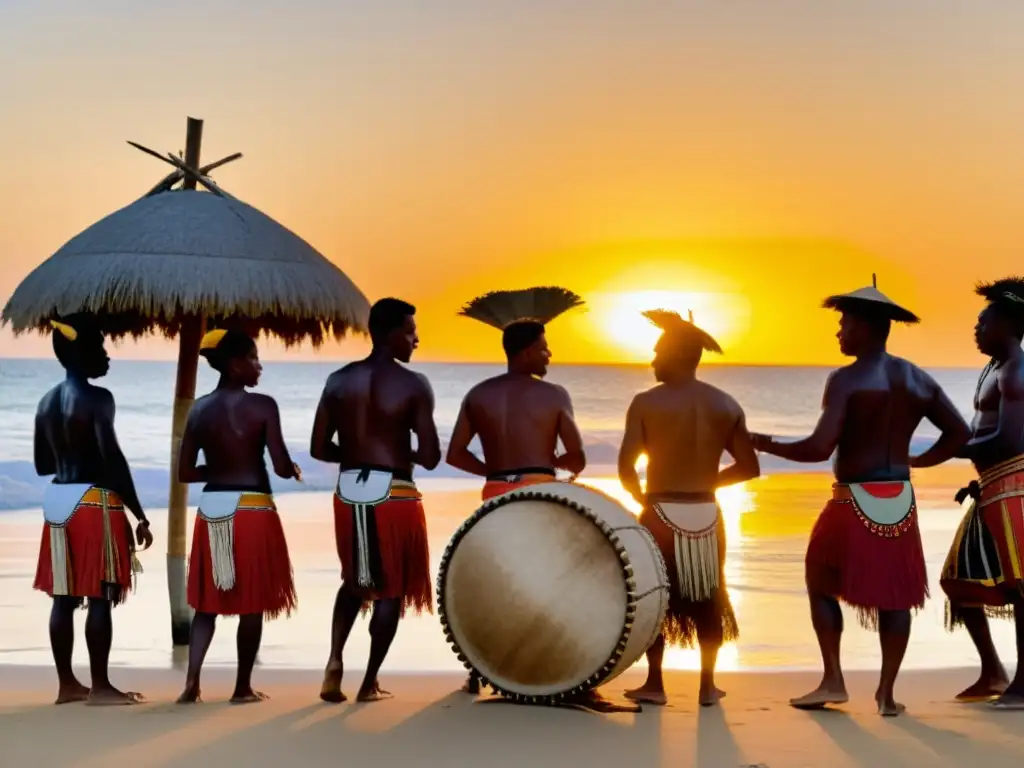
{"x":174,"y":177}
{"x":186,"y":172}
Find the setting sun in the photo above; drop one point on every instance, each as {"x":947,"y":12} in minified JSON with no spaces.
{"x":622,"y":319}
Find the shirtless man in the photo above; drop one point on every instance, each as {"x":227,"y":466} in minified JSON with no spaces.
{"x":84,"y":511}
{"x":684,"y":426}
{"x":983,"y":571}
{"x":239,"y":565}
{"x":519,"y":417}
{"x":374,"y":406}
{"x":865,"y":548}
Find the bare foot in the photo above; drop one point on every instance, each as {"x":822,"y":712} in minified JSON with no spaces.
{"x":191,"y":694}
{"x":472,"y":685}
{"x":111,"y":697}
{"x":647,"y":695}
{"x":72,"y":692}
{"x":373,"y":693}
{"x":984,"y":689}
{"x":821,"y":696}
{"x":712,"y":697}
{"x":330,"y":689}
{"x":248,"y":697}
{"x":1009,"y":701}
{"x":889,"y":708}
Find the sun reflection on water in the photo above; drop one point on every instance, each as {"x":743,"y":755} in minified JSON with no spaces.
{"x":734,"y":501}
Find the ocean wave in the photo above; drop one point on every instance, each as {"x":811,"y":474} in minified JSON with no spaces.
{"x":21,"y":488}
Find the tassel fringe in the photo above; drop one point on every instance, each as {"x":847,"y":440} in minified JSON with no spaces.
{"x":222,"y":552}
{"x":954,"y":617}
{"x":61,"y":560}
{"x":697,"y":565}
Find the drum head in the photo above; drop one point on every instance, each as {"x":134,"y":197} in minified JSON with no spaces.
{"x":534,"y":596}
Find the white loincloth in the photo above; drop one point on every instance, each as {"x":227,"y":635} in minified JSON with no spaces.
{"x":695,"y":528}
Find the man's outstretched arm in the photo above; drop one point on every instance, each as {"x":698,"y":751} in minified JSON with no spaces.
{"x":821,"y":444}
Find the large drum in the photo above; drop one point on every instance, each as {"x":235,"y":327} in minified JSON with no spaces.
{"x":550,"y":590}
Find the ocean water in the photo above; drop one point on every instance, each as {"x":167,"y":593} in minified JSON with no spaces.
{"x":780,"y":401}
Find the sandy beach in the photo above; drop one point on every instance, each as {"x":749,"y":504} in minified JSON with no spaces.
{"x":429,"y":723}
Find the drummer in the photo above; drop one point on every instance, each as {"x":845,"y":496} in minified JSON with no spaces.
{"x":684,"y":425}
{"x":519,"y":417}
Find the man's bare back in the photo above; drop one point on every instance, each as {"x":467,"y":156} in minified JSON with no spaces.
{"x":234,"y":428}
{"x":882,"y":401}
{"x":519,"y":420}
{"x":686,"y":428}
{"x":374,"y":405}
{"x":871,"y":409}
{"x":75,"y":440}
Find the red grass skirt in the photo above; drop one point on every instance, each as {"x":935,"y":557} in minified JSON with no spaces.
{"x":94,"y":569}
{"x":984,"y":565}
{"x":685,"y":616}
{"x":870,"y":567}
{"x":263,"y":570}
{"x":494,"y":488}
{"x":401,"y":539}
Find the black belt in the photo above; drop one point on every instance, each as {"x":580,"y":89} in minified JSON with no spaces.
{"x":520,"y":472}
{"x":366,"y":469}
{"x":684,"y":497}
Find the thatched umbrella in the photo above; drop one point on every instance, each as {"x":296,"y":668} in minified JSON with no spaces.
{"x":173,"y":261}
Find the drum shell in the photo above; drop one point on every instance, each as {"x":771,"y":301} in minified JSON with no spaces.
{"x":600,"y":539}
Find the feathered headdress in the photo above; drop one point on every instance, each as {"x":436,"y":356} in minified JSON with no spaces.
{"x":500,"y":309}
{"x":672,"y":323}
{"x":871,"y":301}
{"x":1009,"y":291}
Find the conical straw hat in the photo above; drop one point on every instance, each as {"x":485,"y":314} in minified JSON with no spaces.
{"x":672,"y":323}
{"x":870,"y":299}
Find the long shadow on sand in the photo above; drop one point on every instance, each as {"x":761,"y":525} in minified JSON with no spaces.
{"x":453,"y":730}
{"x":716,"y":745}
{"x":954,"y":745}
{"x":863,"y":747}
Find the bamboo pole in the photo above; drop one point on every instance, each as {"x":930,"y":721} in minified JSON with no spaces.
{"x":191,"y":333}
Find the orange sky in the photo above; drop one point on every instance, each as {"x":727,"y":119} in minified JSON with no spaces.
{"x":758,"y":155}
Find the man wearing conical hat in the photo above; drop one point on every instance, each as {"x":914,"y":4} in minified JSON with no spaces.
{"x":519,"y":417}
{"x":239,"y":564}
{"x":375,"y":406}
{"x":684,"y":425}
{"x":865,"y":548}
{"x":87,"y":549}
{"x":984,"y":572}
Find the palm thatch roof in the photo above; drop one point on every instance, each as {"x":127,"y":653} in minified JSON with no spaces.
{"x":176,"y":253}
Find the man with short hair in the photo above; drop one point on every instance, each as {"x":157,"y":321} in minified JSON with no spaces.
{"x":865,"y":548}
{"x":87,"y":548}
{"x":684,"y":425}
{"x":984,"y":572}
{"x":374,"y":406}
